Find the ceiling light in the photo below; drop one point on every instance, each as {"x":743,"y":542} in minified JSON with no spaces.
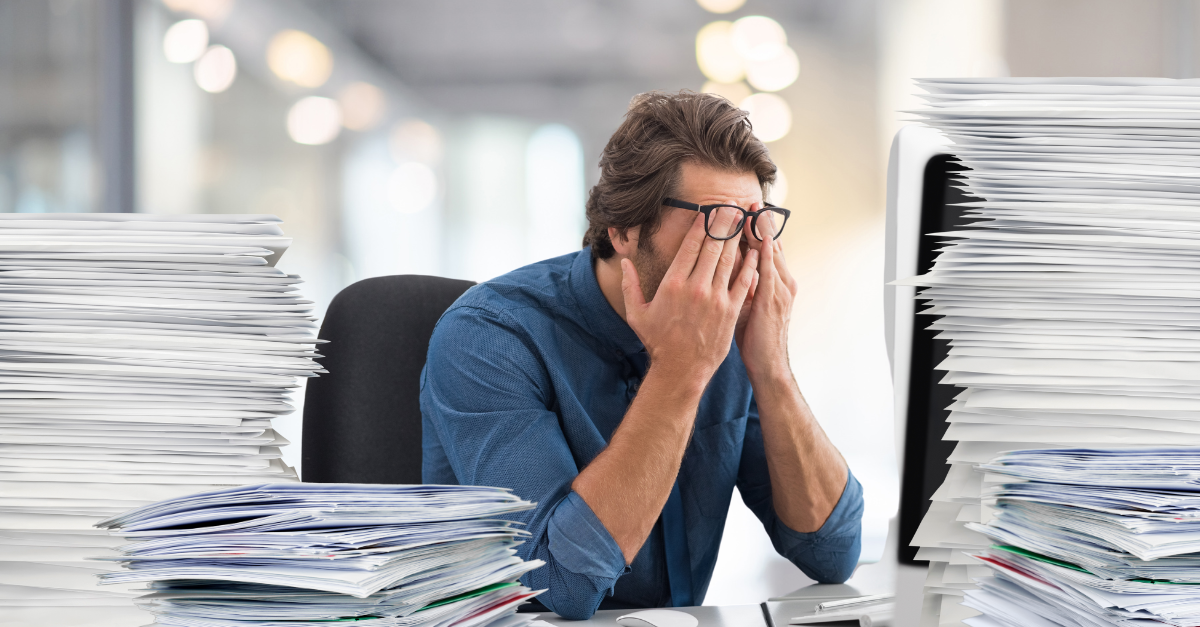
{"x":415,"y":140}
{"x":363,"y":105}
{"x":721,"y":6}
{"x":300,"y":58}
{"x":215,"y":69}
{"x":756,"y":38}
{"x":314,"y":121}
{"x":211,"y":10}
{"x":715,"y":53}
{"x":185,"y":41}
{"x":770,"y":116}
{"x":775,"y":72}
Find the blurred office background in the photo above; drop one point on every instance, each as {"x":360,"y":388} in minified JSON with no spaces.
{"x":460,"y":137}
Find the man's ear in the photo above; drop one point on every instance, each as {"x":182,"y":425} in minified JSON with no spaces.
{"x":624,"y":243}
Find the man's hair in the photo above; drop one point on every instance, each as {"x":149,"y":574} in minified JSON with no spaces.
{"x":640,"y":165}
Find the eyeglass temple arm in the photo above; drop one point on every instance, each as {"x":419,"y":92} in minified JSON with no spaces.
{"x":679,"y":204}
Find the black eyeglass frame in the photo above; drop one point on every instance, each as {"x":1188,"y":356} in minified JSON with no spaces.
{"x":751,"y":215}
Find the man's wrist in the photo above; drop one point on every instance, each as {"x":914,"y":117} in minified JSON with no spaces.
{"x":772,"y":372}
{"x":771,"y":380}
{"x":685,"y":382}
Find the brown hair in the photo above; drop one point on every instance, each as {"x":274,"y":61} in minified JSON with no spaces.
{"x":640,"y":165}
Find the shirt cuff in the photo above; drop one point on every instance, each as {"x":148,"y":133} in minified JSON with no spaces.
{"x":580,"y":543}
{"x":830,"y":553}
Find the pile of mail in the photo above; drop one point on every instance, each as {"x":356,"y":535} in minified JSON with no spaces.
{"x":1092,"y":535}
{"x":308,"y":553}
{"x":1072,"y":304}
{"x":142,"y":357}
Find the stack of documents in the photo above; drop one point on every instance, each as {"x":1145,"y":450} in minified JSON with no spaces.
{"x":1072,"y":304}
{"x":308,"y":553}
{"x":141,"y":357}
{"x":1105,"y":535}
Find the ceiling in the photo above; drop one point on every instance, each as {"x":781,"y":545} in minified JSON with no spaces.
{"x":574,"y":62}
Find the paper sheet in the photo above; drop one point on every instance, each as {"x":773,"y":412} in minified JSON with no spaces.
{"x":141,"y":358}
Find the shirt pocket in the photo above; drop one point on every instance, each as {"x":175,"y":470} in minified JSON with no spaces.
{"x":712,"y":464}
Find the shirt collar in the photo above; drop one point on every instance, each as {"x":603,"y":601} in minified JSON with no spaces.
{"x":602,"y":320}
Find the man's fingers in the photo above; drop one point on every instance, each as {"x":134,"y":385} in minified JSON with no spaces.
{"x":722,"y":220}
{"x":689,"y":250}
{"x":727,"y":263}
{"x":746,"y":277}
{"x":767,"y":271}
{"x":765,"y":226}
{"x":631,"y":288}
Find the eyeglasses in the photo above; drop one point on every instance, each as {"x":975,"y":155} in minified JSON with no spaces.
{"x":770,"y":219}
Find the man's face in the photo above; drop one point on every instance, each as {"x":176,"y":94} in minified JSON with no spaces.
{"x":704,"y":186}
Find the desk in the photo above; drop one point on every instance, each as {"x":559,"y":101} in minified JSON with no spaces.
{"x":709,"y":616}
{"x":868,"y":579}
{"x":878,"y":578}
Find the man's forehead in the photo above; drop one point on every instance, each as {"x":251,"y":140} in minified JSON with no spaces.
{"x":703,"y":184}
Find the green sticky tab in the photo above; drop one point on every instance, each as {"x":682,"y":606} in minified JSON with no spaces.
{"x":1039,"y":557}
{"x":472,"y":594}
{"x":1050,"y":560}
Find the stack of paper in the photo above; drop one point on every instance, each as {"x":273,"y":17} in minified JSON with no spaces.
{"x":141,"y":357}
{"x":307,"y":553}
{"x":1101,"y":535}
{"x":1071,"y":305}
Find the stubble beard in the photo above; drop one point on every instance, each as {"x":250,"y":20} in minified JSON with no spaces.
{"x":651,"y":267}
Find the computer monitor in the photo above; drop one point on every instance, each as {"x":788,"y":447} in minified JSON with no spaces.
{"x":921,"y":200}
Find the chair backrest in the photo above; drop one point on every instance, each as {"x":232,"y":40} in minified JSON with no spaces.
{"x":362,"y":420}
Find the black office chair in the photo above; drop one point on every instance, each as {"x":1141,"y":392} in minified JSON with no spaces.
{"x":362,"y":420}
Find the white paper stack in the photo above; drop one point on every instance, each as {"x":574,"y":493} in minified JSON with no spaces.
{"x":141,"y":357}
{"x":1092,"y":536}
{"x":1072,"y":306}
{"x":307,"y":553}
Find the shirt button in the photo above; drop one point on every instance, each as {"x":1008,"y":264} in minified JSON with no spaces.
{"x":620,"y":354}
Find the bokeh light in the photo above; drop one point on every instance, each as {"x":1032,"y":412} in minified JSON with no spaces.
{"x":779,"y":190}
{"x":211,"y":10}
{"x":721,"y":6}
{"x":412,"y":187}
{"x":716,"y":55}
{"x":756,"y":37}
{"x":363,"y":106}
{"x":770,"y":116}
{"x":415,"y":140}
{"x":775,"y":72}
{"x":314,"y":121}
{"x":185,"y":41}
{"x":215,"y":69}
{"x":300,"y":58}
{"x":733,"y":92}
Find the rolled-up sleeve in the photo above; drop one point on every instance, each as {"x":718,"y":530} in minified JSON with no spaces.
{"x":829,"y":554}
{"x":485,"y":395}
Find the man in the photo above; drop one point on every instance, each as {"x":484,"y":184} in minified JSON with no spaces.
{"x":627,"y":388}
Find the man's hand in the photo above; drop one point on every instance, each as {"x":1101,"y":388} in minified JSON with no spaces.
{"x":762,"y":326}
{"x":688,"y":327}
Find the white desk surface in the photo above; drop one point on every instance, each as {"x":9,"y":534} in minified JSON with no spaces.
{"x":879,"y":578}
{"x":709,"y":616}
{"x":868,"y":579}
{"x":782,"y":612}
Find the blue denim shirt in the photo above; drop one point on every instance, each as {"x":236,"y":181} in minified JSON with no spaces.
{"x":527,"y":377}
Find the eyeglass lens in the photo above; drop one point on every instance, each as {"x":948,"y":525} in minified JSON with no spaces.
{"x":724,"y":222}
{"x":768,"y":224}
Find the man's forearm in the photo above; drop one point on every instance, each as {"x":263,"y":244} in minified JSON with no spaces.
{"x":808,"y":474}
{"x":628,"y":483}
